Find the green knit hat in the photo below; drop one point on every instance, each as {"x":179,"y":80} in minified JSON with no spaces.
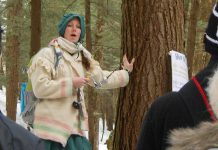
{"x":67,"y":18}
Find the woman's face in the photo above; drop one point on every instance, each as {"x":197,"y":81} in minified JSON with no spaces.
{"x":73,"y":31}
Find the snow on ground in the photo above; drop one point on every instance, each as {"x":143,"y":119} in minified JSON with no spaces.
{"x":2,"y":101}
{"x":102,"y":141}
{"x":106,"y":134}
{"x":3,"y":107}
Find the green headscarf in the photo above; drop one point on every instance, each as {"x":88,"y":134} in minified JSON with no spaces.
{"x":66,"y":19}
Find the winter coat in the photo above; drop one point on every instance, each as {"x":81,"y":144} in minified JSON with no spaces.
{"x":15,"y":137}
{"x":202,"y":137}
{"x":185,"y":108}
{"x":55,"y":118}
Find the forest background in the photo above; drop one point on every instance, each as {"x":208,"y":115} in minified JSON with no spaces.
{"x":144,"y":29}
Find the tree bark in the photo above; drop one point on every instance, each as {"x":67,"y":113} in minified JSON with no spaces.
{"x":201,"y":58}
{"x":12,"y":56}
{"x":1,"y":59}
{"x":92,"y":96}
{"x":150,"y":29}
{"x":35,"y":26}
{"x":88,"y":25}
{"x":195,"y":6}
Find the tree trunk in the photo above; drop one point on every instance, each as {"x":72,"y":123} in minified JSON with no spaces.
{"x":88,"y":25}
{"x":92,"y":96}
{"x":93,"y":118}
{"x":195,"y":6}
{"x":35,"y":26}
{"x":1,"y":31}
{"x":98,"y":54}
{"x":12,"y":56}
{"x":187,"y":8}
{"x":1,"y":60}
{"x":205,"y":9}
{"x":150,"y":29}
{"x":201,"y":58}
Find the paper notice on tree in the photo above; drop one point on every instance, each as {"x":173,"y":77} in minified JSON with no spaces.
{"x":179,"y":70}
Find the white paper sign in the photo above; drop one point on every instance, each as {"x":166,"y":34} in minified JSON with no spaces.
{"x":179,"y":70}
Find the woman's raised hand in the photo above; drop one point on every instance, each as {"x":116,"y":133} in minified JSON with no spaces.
{"x":126,"y":65}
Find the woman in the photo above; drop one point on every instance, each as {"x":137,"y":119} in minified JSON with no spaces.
{"x":60,"y":115}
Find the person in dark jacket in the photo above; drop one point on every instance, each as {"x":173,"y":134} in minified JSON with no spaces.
{"x":186,"y":108}
{"x":15,"y":137}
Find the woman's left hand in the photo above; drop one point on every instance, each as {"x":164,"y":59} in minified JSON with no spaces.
{"x":126,"y":65}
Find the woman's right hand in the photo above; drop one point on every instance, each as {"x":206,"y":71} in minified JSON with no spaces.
{"x":78,"y":82}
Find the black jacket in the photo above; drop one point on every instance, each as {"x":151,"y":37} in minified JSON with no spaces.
{"x":185,"y":108}
{"x":15,"y":137}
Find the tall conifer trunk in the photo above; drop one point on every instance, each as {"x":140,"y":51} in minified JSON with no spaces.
{"x":191,"y":38}
{"x":150,"y":29}
{"x":201,"y":58}
{"x":35,"y":26}
{"x":92,"y":95}
{"x":12,"y":56}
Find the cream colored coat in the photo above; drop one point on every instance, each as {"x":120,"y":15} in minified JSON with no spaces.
{"x":55,"y":118}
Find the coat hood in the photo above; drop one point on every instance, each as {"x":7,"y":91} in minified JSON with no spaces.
{"x":203,"y":137}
